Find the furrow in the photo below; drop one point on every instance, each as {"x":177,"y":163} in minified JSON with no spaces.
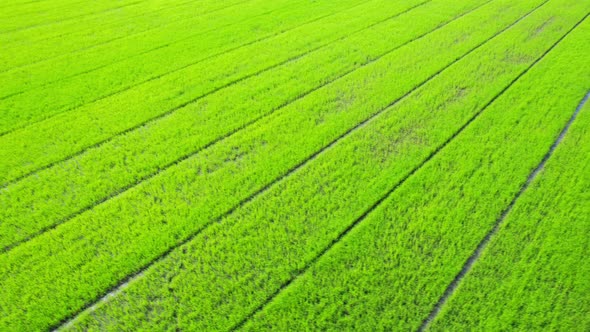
{"x":151,"y":78}
{"x":384,"y":273}
{"x":114,"y":247}
{"x":223,"y":137}
{"x":103,"y":43}
{"x":357,"y":221}
{"x":70,"y":18}
{"x":35,"y":10}
{"x":452,"y":287}
{"x":160,"y":113}
{"x":121,"y":286}
{"x":535,"y":266}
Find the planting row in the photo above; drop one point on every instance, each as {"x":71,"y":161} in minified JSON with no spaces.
{"x":54,"y":194}
{"x":34,"y":14}
{"x":534,"y":274}
{"x":36,"y":38}
{"x":61,"y":136}
{"x":179,"y":60}
{"x":186,"y":26}
{"x":388,"y":272}
{"x":76,"y":262}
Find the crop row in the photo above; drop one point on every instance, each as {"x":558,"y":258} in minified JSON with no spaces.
{"x":50,"y":196}
{"x":115,"y":23}
{"x":187,"y":28}
{"x":180,"y":60}
{"x":61,"y":136}
{"x":534,"y":273}
{"x":32,"y":15}
{"x":388,"y":272}
{"x":390,"y":269}
{"x":129,"y":231}
{"x":118,"y":164}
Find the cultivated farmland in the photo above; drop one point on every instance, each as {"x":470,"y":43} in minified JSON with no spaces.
{"x":252,"y":165}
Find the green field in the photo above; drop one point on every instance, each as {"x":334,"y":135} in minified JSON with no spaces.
{"x":301,"y":165}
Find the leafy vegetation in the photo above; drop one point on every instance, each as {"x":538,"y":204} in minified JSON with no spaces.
{"x":534,"y":275}
{"x":132,"y":229}
{"x":101,"y":173}
{"x":217,"y":66}
{"x":292,"y":165}
{"x":141,"y":25}
{"x":57,"y":138}
{"x":388,"y":272}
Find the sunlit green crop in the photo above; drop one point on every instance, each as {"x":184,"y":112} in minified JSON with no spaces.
{"x":292,"y":165}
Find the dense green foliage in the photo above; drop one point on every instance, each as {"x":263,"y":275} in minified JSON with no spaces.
{"x":390,"y":271}
{"x":120,"y":81}
{"x":534,"y":275}
{"x":140,"y":27}
{"x":291,"y":165}
{"x":102,"y":172}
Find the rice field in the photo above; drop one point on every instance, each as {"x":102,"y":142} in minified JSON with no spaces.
{"x":301,"y":165}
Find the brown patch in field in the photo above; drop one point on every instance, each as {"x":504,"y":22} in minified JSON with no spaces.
{"x":458,"y":94}
{"x":394,"y":142}
{"x":515,"y":58}
{"x":541,"y":27}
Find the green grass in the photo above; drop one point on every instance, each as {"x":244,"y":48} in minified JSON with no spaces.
{"x":196,"y":56}
{"x":146,"y":151}
{"x":293,"y":165}
{"x":389,"y":272}
{"x":72,"y":131}
{"x":154,"y":17}
{"x":32,"y":15}
{"x":186,"y":33}
{"x":534,"y":274}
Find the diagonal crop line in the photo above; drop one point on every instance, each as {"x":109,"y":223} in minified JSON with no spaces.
{"x":192,"y":100}
{"x":395,"y":187}
{"x":80,"y":50}
{"x":19,"y":4}
{"x":141,"y":271}
{"x":218,"y":140}
{"x":142,"y":53}
{"x":59,"y":6}
{"x":86,"y":48}
{"x":167,"y":44}
{"x":128,"y":19}
{"x":66,"y":77}
{"x":153,"y":78}
{"x":28,"y":2}
{"x":468,"y":265}
{"x":97,"y":13}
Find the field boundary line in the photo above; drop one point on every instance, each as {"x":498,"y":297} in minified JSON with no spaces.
{"x":468,"y":265}
{"x":153,"y":78}
{"x":86,"y":48}
{"x":375,"y":205}
{"x":97,"y":13}
{"x":113,"y":291}
{"x":186,"y":103}
{"x":218,"y":140}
